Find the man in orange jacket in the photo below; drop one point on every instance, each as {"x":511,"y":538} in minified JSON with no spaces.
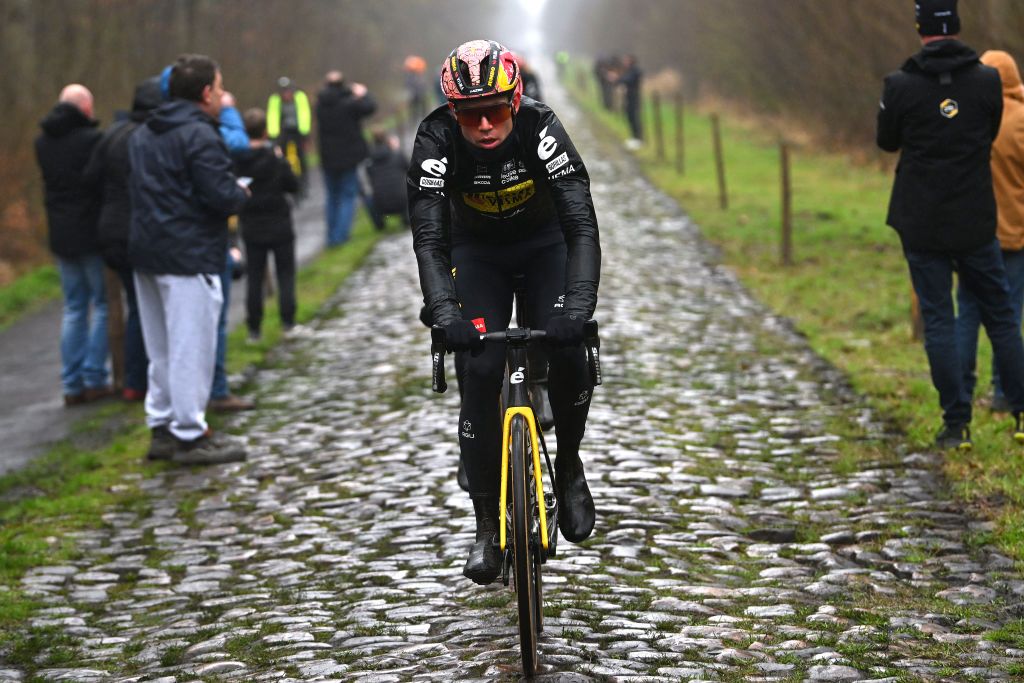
{"x":1008,"y":183}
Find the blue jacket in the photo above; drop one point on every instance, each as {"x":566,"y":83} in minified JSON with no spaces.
{"x":182,"y":192}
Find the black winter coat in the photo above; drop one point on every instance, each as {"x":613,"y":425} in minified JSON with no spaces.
{"x":386,"y":171}
{"x":182,"y":191}
{"x":266,"y":218}
{"x":109,"y":169}
{"x":339,"y":116}
{"x":941,"y":111}
{"x":72,"y":204}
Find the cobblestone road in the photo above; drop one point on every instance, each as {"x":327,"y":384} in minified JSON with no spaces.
{"x":736,"y":539}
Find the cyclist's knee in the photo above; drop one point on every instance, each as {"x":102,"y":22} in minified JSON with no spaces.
{"x":485,"y":370}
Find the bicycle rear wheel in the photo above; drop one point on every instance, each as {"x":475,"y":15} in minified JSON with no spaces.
{"x":525,"y":568}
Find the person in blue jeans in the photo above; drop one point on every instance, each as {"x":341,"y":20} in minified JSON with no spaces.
{"x":232,"y":130}
{"x":1008,"y":183}
{"x":942,"y":111}
{"x":63,"y":150}
{"x":340,"y":110}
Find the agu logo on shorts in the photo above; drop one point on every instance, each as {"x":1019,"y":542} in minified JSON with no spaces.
{"x":949,"y":108}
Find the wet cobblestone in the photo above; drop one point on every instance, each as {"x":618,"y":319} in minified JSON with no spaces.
{"x":736,"y":540}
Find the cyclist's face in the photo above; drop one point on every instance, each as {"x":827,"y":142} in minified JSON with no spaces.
{"x":487,"y":122}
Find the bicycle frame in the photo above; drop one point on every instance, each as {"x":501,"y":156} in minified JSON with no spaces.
{"x":519,"y":404}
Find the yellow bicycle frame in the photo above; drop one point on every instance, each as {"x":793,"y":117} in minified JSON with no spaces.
{"x":506,"y":437}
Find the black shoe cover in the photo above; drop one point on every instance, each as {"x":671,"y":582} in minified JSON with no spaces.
{"x":576,"y":514}
{"x":484,"y":562}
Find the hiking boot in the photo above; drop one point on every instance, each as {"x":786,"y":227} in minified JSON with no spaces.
{"x":576,"y":514}
{"x":97,"y":393}
{"x":162,"y":444}
{"x":130,"y":395}
{"x":230,"y":404}
{"x":959,"y":437}
{"x":209,"y":449}
{"x":484,"y":562}
{"x":74,"y":399}
{"x":1018,"y":427}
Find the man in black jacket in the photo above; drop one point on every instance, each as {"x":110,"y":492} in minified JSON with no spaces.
{"x":942,"y":111}
{"x":72,"y":210}
{"x":182,"y":192}
{"x":340,"y":110}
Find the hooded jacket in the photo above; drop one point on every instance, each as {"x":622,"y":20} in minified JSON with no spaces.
{"x":386,"y":172}
{"x":1008,"y":153}
{"x":942,"y":111}
{"x":182,"y":191}
{"x":266,"y":217}
{"x":339,"y":115}
{"x":109,"y":169}
{"x":72,"y":205}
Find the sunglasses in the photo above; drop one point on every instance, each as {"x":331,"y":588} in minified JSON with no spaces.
{"x":496,"y":114}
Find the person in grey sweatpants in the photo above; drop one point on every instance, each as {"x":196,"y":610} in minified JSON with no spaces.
{"x":182,"y":191}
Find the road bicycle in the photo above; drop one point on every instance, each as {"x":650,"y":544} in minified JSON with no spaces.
{"x":528,"y":515}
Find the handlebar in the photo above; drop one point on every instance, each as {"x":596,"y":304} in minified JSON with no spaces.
{"x":514,"y":335}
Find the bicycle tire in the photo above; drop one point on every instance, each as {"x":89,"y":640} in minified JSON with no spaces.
{"x":524,"y":568}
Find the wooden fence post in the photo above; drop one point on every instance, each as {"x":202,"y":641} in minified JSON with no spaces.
{"x":787,"y":207}
{"x":659,"y":136}
{"x":680,"y":149}
{"x":716,"y":133}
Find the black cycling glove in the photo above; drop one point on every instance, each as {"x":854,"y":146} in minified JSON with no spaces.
{"x":564,"y":330}
{"x":462,"y":335}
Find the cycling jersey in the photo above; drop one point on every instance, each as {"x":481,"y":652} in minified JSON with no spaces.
{"x":534,"y":186}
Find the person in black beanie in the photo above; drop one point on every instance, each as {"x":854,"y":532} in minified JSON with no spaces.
{"x":942,"y":111}
{"x":937,"y":17}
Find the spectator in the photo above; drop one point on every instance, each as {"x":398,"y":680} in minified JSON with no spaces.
{"x":942,"y":111}
{"x":109,"y":169}
{"x":182,"y":191}
{"x":531,"y":83}
{"x":340,"y":110}
{"x":72,"y":211}
{"x":385,"y":173}
{"x":631,"y":78}
{"x":416,"y":85}
{"x":288,"y":122}
{"x":1008,"y":182}
{"x":232,"y":130}
{"x":605,"y":68}
{"x":266,"y":223}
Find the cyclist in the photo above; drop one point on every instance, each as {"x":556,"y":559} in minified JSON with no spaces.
{"x":496,"y":190}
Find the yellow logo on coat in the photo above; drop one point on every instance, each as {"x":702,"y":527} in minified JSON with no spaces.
{"x":502,"y":200}
{"x":949,"y":108}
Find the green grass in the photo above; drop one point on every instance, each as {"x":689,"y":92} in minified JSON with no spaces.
{"x":69,"y":488}
{"x":848,"y":291}
{"x":27,"y":293}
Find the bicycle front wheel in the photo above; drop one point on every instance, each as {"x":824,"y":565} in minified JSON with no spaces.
{"x":525,"y":569}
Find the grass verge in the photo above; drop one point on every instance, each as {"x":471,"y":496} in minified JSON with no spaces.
{"x":69,"y":488}
{"x":848,"y":290}
{"x":27,"y":293}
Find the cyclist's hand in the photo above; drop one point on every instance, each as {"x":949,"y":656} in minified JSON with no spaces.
{"x":462,"y":335}
{"x":564,"y":330}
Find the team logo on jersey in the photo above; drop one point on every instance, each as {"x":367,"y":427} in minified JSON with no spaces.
{"x":547,"y":145}
{"x":949,"y":108}
{"x":502,"y":200}
{"x":434,"y":167}
{"x":480,"y":324}
{"x":558,"y":162}
{"x":431,"y":182}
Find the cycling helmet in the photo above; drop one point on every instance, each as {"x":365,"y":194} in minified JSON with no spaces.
{"x":481,"y":68}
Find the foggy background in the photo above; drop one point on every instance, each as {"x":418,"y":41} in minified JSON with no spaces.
{"x":814,"y":65}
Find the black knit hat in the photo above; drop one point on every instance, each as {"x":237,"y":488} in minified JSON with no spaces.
{"x":937,"y":17}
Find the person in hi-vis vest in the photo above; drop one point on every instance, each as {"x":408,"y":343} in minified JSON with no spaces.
{"x":288,"y":125}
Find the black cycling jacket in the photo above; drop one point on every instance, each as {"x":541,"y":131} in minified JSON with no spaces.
{"x":534,"y":182}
